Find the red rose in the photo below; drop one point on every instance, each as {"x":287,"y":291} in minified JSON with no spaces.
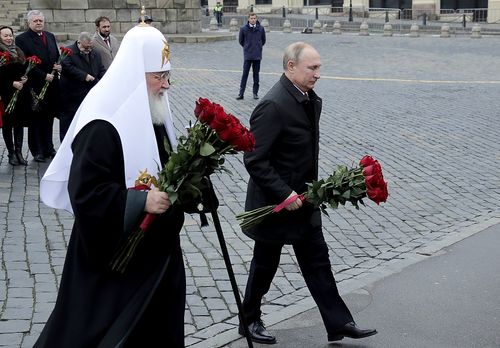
{"x":366,"y":161}
{"x":245,"y":142}
{"x":220,"y":118}
{"x":201,"y":105}
{"x":231,"y":131}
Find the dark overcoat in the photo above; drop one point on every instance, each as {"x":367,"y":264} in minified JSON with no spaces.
{"x":97,"y":307}
{"x":32,"y":45}
{"x":74,"y":88}
{"x":284,"y":160}
{"x":10,"y":72}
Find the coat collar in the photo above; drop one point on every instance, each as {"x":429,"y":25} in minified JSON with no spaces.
{"x":298,"y":95}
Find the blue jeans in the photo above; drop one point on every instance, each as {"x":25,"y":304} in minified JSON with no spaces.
{"x":255,"y":64}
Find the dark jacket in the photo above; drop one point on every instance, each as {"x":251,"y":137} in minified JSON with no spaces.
{"x":95,"y":306}
{"x":74,"y":88}
{"x":284,"y":160}
{"x":252,"y":40}
{"x":32,"y":45}
{"x":10,"y":72}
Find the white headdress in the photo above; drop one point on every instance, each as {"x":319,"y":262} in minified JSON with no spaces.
{"x":120,"y":98}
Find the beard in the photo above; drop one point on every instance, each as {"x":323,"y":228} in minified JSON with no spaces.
{"x":158,"y":109}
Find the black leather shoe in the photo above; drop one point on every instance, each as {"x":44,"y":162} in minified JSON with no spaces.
{"x":39,"y":158}
{"x":258,"y":333}
{"x":255,"y":96}
{"x":352,"y":331}
{"x":239,"y":97}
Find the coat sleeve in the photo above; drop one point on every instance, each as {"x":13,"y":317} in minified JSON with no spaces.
{"x":266,"y":125}
{"x":97,"y":190}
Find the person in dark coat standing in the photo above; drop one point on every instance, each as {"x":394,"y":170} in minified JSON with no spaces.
{"x":36,"y":41}
{"x":252,"y":38}
{"x":111,"y":142}
{"x":12,"y":79}
{"x":81,"y":71}
{"x":286,"y":129}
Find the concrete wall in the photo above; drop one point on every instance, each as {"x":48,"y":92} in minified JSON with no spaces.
{"x":75,"y":16}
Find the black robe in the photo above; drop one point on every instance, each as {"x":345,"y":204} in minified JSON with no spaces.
{"x":97,"y":307}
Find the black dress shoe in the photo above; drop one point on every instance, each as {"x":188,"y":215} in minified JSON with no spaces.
{"x":239,"y":97}
{"x":258,"y":333}
{"x":352,"y":331}
{"x":255,"y":96}
{"x":39,"y":158}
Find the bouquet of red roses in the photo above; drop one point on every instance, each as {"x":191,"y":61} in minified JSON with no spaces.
{"x":4,"y":57}
{"x":32,"y":61}
{"x":65,"y":51}
{"x":344,"y":185}
{"x":199,"y":154}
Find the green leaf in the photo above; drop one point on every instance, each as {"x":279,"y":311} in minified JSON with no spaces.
{"x":206,"y":149}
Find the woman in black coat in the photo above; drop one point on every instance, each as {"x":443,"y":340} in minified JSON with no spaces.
{"x":12,"y":79}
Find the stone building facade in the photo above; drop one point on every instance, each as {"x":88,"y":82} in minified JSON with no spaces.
{"x":75,"y":16}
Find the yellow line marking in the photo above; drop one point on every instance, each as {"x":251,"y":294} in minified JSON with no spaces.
{"x":376,"y":79}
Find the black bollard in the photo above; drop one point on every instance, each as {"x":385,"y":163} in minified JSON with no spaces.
{"x":387,"y":16}
{"x":284,"y":12}
{"x":316,"y":16}
{"x":464,"y":21}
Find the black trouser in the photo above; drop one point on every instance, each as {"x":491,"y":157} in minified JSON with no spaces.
{"x":40,"y":135}
{"x":255,"y":64}
{"x":312,"y":256}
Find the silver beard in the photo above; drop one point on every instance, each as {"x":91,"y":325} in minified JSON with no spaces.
{"x":158,"y":109}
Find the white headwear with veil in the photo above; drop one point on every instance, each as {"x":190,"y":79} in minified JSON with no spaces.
{"x":121,"y":98}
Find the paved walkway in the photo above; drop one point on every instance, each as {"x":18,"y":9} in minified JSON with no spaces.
{"x":427,"y":108}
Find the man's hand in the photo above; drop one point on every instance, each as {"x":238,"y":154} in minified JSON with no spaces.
{"x":296,"y":204}
{"x":157,"y":202}
{"x":57,"y":67}
{"x":89,"y":78}
{"x":17,"y":85}
{"x":49,"y":77}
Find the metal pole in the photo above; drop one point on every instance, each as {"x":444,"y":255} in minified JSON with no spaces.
{"x":227,"y":261}
{"x":317,"y":15}
{"x":350,"y":10}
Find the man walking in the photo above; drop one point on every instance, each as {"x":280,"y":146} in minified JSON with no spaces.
{"x":252,"y":38}
{"x":286,"y":129}
{"x":36,"y":41}
{"x":218,"y":13}
{"x":104,"y":43}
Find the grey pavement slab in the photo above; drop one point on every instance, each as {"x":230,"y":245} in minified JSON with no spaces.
{"x":426,"y":108}
{"x":448,"y":300}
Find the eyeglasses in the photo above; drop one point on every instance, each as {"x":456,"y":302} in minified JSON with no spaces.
{"x":165,"y":76}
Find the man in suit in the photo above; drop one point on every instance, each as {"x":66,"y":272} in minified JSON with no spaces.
{"x":286,"y":129}
{"x":36,"y":41}
{"x":81,"y":71}
{"x":104,"y":43}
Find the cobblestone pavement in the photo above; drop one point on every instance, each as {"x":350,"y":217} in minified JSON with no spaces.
{"x":427,"y":108}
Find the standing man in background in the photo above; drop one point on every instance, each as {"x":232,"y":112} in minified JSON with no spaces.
{"x":36,"y":41}
{"x":252,"y":38}
{"x":81,"y":71}
{"x":218,"y":13}
{"x":104,"y":43}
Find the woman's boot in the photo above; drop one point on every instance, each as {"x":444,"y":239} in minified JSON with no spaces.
{"x":18,"y":140}
{"x":13,"y":159}
{"x":7,"y":137}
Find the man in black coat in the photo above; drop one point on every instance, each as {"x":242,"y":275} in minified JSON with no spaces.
{"x":81,"y":71}
{"x":286,"y":129}
{"x":41,"y":43}
{"x":111,"y":142}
